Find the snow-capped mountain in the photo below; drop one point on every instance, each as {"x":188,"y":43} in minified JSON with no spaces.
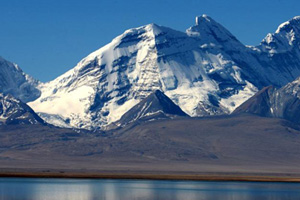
{"x":205,"y":71}
{"x":155,"y":106}
{"x":14,"y":111}
{"x":271,"y":102}
{"x":286,"y":38}
{"x":280,"y":52}
{"x":15,"y":82}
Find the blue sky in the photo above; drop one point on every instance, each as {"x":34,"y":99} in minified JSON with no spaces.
{"x":48,"y":37}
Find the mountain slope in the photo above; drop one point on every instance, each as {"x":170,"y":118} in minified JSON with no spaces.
{"x":14,"y":111}
{"x":156,"y":106}
{"x":205,"y":71}
{"x":270,"y":102}
{"x":259,"y":104}
{"x":15,"y":82}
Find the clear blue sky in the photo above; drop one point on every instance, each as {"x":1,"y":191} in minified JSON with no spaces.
{"x":48,"y":37}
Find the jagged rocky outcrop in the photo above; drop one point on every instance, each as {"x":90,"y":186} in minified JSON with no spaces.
{"x":205,"y":71}
{"x":271,"y":102}
{"x":14,"y":111}
{"x":15,"y":82}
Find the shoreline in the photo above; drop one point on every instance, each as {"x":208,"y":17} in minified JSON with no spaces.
{"x":177,"y":177}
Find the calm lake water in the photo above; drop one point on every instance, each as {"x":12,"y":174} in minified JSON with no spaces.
{"x":44,"y":189}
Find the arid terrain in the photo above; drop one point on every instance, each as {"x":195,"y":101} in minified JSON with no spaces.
{"x":239,"y":147}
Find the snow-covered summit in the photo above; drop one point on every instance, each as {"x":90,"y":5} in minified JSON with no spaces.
{"x":286,"y":37}
{"x":15,"y":82}
{"x":211,"y":32}
{"x":291,"y":24}
{"x":203,"y":17}
{"x":280,"y":52}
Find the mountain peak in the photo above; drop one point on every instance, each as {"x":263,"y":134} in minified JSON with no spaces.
{"x":210,"y":31}
{"x":155,"y":106}
{"x":289,"y":25}
{"x":149,"y":28}
{"x":158,"y":93}
{"x":15,"y":82}
{"x":271,"y":102}
{"x":203,"y":18}
{"x":204,"y":21}
{"x":14,"y":111}
{"x":165,"y":103}
{"x":285,"y":37}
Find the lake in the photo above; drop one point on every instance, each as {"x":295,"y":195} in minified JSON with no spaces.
{"x":102,"y":189}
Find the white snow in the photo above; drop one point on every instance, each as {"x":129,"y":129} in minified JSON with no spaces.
{"x":70,"y":103}
{"x":236,"y":100}
{"x":120,"y":110}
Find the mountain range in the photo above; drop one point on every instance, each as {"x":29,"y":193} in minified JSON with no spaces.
{"x":160,"y":101}
{"x":203,"y":71}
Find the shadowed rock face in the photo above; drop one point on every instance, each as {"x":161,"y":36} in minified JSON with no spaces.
{"x":156,"y":106}
{"x":271,"y":102}
{"x":14,"y":111}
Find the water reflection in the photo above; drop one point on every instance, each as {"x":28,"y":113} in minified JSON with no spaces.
{"x":85,"y":189}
